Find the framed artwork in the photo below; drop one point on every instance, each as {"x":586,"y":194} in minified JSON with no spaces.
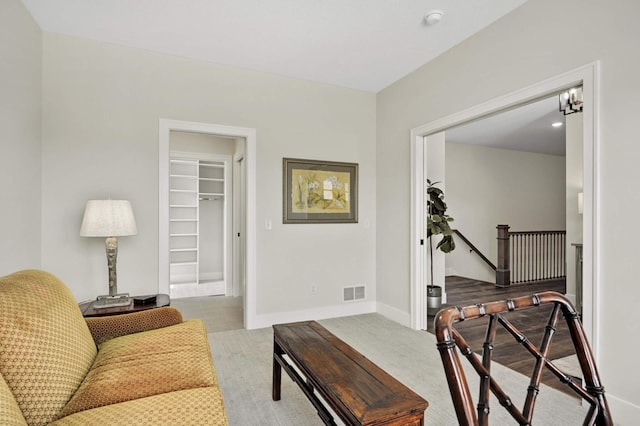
{"x":319,"y":191}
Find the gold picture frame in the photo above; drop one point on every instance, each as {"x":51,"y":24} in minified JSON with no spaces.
{"x":319,"y":191}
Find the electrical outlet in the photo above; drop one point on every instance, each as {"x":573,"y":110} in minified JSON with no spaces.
{"x":314,"y":289}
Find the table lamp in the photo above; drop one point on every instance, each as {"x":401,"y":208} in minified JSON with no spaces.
{"x":110,"y":219}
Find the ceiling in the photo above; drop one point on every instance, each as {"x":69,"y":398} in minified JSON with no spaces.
{"x":526,"y":128}
{"x":359,"y":44}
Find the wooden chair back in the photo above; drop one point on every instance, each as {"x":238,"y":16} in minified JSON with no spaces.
{"x":449,"y":338}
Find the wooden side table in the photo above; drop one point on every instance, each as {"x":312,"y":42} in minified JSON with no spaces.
{"x":88,"y":309}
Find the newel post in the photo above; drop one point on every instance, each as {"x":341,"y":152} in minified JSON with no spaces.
{"x":503,"y":269}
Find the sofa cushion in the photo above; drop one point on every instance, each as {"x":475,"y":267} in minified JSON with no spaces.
{"x":10,"y":413}
{"x":107,"y":327}
{"x":145,"y":364}
{"x":46,"y":348}
{"x":200,"y":406}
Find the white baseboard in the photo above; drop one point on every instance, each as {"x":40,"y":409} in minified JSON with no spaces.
{"x":394,"y":314}
{"x":623,"y":412}
{"x":325,"y":312}
{"x":214,"y":288}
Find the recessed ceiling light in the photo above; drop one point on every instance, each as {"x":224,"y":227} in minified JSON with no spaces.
{"x":557,"y":124}
{"x":433,"y":17}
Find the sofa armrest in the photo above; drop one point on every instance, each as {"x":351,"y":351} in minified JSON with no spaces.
{"x":105,"y":328}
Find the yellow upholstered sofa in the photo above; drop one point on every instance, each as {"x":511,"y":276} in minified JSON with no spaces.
{"x":56,"y":367}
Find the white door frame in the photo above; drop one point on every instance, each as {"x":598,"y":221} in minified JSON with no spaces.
{"x":238,"y":232}
{"x":165,"y":126}
{"x":588,"y":76}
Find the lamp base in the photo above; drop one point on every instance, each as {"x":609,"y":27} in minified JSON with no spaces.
{"x":121,"y":299}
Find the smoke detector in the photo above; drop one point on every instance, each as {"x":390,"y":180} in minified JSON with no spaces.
{"x":433,"y":17}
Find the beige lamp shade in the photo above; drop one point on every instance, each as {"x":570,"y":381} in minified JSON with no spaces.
{"x":108,"y":218}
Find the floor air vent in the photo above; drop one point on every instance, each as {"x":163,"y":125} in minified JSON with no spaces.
{"x":350,"y":294}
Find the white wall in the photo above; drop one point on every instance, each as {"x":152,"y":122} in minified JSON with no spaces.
{"x":100,"y":138}
{"x":20,"y":119}
{"x":200,"y":142}
{"x":525,"y":47}
{"x":487,"y":187}
{"x":574,"y":186}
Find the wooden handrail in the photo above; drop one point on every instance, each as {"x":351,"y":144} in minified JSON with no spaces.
{"x":475,"y":249}
{"x":536,"y":232}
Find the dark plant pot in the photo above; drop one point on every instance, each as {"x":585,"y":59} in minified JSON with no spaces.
{"x":434,"y":299}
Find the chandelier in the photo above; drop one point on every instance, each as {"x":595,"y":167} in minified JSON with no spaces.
{"x":571,"y":101}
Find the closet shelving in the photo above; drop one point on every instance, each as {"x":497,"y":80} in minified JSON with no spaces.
{"x":211,"y":181}
{"x":211,"y":196}
{"x":183,"y":221}
{"x":191,"y":183}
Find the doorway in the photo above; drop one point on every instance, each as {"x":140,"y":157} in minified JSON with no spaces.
{"x":586,"y":76}
{"x":244,"y":148}
{"x":201,"y":214}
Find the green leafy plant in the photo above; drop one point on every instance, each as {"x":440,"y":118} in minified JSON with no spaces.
{"x":438,"y":222}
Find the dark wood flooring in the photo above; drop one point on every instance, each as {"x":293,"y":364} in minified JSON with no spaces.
{"x":465,"y":292}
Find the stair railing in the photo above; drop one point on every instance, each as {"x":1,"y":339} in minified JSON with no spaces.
{"x":529,"y":256}
{"x":474,"y":249}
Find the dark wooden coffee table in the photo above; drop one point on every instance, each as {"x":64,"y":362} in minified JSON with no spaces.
{"x":356,"y":389}
{"x":89,"y":310}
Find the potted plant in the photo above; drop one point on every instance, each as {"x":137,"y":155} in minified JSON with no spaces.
{"x":437,"y":224}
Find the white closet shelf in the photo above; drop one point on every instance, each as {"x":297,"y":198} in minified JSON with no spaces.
{"x":215,"y":166}
{"x":183,"y":235}
{"x":183,"y":249}
{"x":183,"y":176}
{"x":183,"y":190}
{"x":173,"y":160}
{"x":183,"y":220}
{"x":178,"y":282}
{"x":182,"y":206}
{"x":183,"y":263}
{"x":211,"y":194}
{"x":212,"y":179}
{"x":210,"y":281}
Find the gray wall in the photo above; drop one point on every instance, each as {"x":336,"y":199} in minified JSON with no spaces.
{"x":20,"y":116}
{"x":487,"y":187}
{"x":541,"y":39}
{"x":100,"y":138}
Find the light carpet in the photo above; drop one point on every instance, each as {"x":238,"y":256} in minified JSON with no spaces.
{"x":569,"y":365}
{"x":219,"y":313}
{"x":243,"y":362}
